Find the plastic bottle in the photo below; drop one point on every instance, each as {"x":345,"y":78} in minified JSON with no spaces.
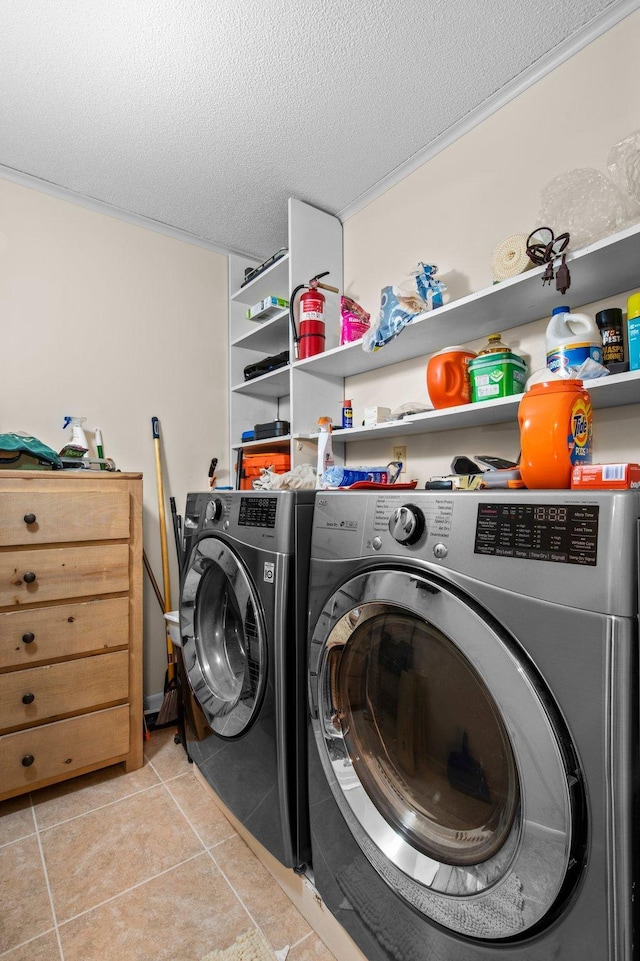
{"x":633,"y":330}
{"x":494,"y":346}
{"x":78,"y":436}
{"x":571,"y":339}
{"x":347,"y":414}
{"x":556,"y":432}
{"x":609,"y":323}
{"x":346,"y":476}
{"x":325,"y":450}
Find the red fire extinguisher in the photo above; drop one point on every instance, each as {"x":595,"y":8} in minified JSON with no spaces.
{"x":309,"y":333}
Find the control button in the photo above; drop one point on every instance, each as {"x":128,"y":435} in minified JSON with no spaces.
{"x":440,"y":551}
{"x":226,"y":526}
{"x":407,"y":524}
{"x":376,"y":543}
{"x":214,"y":510}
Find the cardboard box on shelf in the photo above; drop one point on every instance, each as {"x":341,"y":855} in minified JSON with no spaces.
{"x":375,"y":415}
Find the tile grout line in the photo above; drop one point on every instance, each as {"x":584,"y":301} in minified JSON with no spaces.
{"x":241,"y":900}
{"x":139,"y":884}
{"x":101,"y":807}
{"x":46,"y":877}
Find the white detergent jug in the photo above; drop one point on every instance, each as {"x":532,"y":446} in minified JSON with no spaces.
{"x":571,"y":339}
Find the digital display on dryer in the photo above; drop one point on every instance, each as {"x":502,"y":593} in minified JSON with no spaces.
{"x":562,"y":533}
{"x":257,"y":512}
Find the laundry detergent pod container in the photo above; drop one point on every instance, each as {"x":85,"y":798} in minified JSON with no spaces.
{"x":448,"y":381}
{"x":556,"y":433}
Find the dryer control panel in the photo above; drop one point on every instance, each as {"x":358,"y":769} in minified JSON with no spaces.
{"x":563,"y":533}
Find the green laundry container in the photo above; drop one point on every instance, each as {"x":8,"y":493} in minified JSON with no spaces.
{"x":496,"y":375}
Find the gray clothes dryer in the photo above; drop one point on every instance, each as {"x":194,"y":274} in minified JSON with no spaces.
{"x":473,"y":684}
{"x":243,"y":626}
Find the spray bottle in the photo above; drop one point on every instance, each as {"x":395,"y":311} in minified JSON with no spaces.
{"x":78,"y":436}
{"x":325,"y":450}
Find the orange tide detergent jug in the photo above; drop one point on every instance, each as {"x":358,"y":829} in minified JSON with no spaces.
{"x":556,"y":432}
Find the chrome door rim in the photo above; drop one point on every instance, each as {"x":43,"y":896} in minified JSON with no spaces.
{"x":490,"y":903}
{"x":228,"y":718}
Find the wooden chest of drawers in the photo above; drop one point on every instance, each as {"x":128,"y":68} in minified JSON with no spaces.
{"x":70,"y":625}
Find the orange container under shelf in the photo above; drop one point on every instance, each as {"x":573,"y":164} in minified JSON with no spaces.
{"x":254,"y":464}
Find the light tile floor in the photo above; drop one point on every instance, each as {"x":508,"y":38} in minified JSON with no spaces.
{"x":135,"y":867}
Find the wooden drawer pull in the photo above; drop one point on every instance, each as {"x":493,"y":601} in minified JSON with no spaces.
{"x":28,"y":698}
{"x":28,"y":638}
{"x":28,"y":760}
{"x":29,"y":577}
{"x":29,"y":518}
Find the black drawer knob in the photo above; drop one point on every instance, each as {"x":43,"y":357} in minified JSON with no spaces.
{"x":28,"y":760}
{"x":28,"y":638}
{"x":29,"y":518}
{"x":29,"y":577}
{"x":28,"y":698}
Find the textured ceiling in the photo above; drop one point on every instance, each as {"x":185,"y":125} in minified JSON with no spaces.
{"x":206,"y":115}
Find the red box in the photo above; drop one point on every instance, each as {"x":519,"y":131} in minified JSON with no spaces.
{"x":605,"y":477}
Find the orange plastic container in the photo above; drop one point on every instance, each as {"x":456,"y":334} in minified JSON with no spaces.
{"x":253,"y":465}
{"x":556,"y":432}
{"x":448,"y":380}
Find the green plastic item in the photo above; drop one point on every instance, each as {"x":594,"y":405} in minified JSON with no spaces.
{"x":22,"y":452}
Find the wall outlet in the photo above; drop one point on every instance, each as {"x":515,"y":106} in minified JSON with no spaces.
{"x":400,"y":453}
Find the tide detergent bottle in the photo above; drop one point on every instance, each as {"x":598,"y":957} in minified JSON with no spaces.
{"x":556,"y":433}
{"x":571,"y":339}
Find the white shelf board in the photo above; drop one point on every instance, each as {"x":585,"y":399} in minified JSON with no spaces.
{"x":268,"y":335}
{"x":267,"y":442}
{"x":273,"y":282}
{"x":601,"y":270}
{"x":273,"y":384}
{"x":616,"y":390}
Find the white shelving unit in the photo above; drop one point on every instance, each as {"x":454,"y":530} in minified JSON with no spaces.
{"x":292,"y":393}
{"x":603,"y":269}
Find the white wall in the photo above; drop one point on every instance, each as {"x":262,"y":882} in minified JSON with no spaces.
{"x":106,"y":320}
{"x":456,"y":208}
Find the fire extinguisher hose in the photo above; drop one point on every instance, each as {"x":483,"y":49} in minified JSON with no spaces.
{"x":294,"y":329}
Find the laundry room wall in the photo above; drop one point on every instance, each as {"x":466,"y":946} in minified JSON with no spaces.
{"x":107,"y":320}
{"x":456,"y":208}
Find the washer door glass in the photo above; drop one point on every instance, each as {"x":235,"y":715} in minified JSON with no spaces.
{"x":224,"y":649}
{"x":445,"y":753}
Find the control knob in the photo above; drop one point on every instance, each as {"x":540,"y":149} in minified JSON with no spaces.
{"x":407,"y":524}
{"x":214,"y":510}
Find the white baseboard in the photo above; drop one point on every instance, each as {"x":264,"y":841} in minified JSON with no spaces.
{"x":153,"y":702}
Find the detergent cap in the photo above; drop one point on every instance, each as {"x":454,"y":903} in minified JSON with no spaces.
{"x":561,"y":310}
{"x":633,"y":306}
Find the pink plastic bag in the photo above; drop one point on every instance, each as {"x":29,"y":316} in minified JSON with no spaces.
{"x":354,"y":321}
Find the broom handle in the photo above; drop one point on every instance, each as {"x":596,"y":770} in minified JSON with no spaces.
{"x":163,"y":543}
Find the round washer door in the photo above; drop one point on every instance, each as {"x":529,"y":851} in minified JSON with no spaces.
{"x":223,"y":637}
{"x":444,"y":754}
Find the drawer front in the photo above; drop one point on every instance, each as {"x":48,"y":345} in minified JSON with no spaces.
{"x":62,"y":688}
{"x":61,"y":748}
{"x":45,"y":633}
{"x":41,"y":517}
{"x":62,"y":572}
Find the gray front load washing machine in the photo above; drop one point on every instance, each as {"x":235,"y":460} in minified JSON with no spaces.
{"x":473,"y":684}
{"x":243,"y":625}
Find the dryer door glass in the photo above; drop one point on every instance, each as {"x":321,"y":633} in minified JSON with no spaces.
{"x":445,"y":753}
{"x":224,"y":646}
{"x":427,"y":741}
